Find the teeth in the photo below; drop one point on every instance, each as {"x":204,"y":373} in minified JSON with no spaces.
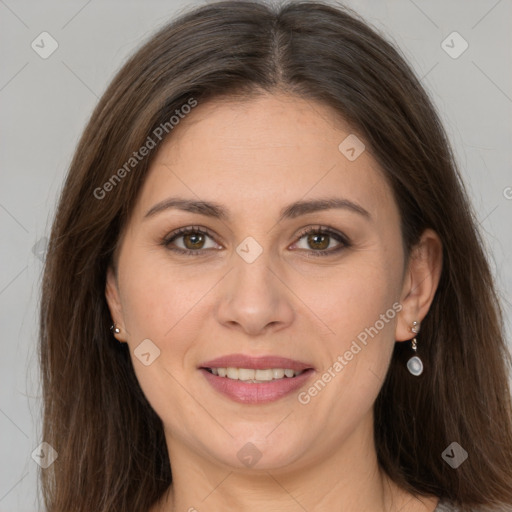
{"x":278,"y":373}
{"x":245,"y":374}
{"x":232,"y":373}
{"x":253,"y":376}
{"x":264,"y":375}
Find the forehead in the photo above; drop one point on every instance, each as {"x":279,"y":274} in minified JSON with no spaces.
{"x":267,"y":150}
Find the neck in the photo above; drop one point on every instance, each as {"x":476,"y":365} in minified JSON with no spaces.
{"x":347,"y":479}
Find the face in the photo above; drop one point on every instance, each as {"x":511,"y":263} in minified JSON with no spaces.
{"x":320,"y":288}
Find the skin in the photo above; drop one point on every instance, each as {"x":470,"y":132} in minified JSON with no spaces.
{"x":255,"y":157}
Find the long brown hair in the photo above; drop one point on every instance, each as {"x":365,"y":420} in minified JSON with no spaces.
{"x":112,"y":454}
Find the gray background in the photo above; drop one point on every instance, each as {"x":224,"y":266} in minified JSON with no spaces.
{"x":45,"y":104}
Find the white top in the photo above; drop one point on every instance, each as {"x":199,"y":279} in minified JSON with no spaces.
{"x":447,"y":506}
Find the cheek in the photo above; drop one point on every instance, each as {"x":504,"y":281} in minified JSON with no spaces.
{"x":355,"y":298}
{"x":164,"y":307}
{"x":157,"y":297}
{"x":358,"y":355}
{"x":362,"y":309}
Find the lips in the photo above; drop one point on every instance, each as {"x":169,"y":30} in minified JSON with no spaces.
{"x":256,"y":392}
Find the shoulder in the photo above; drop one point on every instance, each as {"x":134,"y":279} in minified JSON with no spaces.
{"x":447,"y":506}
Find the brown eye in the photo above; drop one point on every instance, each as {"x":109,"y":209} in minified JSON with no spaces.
{"x":193,"y":241}
{"x":322,"y":241}
{"x":318,"y":241}
{"x":190,"y":240}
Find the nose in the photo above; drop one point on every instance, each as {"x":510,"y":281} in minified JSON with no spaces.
{"x":254,"y":298}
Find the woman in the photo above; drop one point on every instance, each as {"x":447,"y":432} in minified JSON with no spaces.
{"x":265,"y":286}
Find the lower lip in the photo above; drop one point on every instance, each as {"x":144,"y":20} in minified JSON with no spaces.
{"x":256,"y":393}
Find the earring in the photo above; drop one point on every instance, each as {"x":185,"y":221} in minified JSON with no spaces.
{"x":415,"y":364}
{"x":115,"y":329}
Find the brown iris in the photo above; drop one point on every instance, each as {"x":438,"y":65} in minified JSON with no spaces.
{"x":197,"y":240}
{"x":316,"y":239}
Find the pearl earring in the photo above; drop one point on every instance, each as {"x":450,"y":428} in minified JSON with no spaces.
{"x":415,"y":364}
{"x":115,"y":329}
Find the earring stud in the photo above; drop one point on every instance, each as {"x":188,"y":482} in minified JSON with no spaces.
{"x":115,"y":329}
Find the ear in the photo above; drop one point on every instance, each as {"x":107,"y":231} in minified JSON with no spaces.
{"x":420,"y":283}
{"x":114,"y":303}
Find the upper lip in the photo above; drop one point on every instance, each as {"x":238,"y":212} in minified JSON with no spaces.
{"x":258,"y":363}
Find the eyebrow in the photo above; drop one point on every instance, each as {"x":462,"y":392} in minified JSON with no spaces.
{"x":293,"y":210}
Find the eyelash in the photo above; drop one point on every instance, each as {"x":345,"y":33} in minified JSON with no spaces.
{"x":317,"y":230}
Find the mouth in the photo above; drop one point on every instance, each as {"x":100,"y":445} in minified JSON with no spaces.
{"x":258,"y":380}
